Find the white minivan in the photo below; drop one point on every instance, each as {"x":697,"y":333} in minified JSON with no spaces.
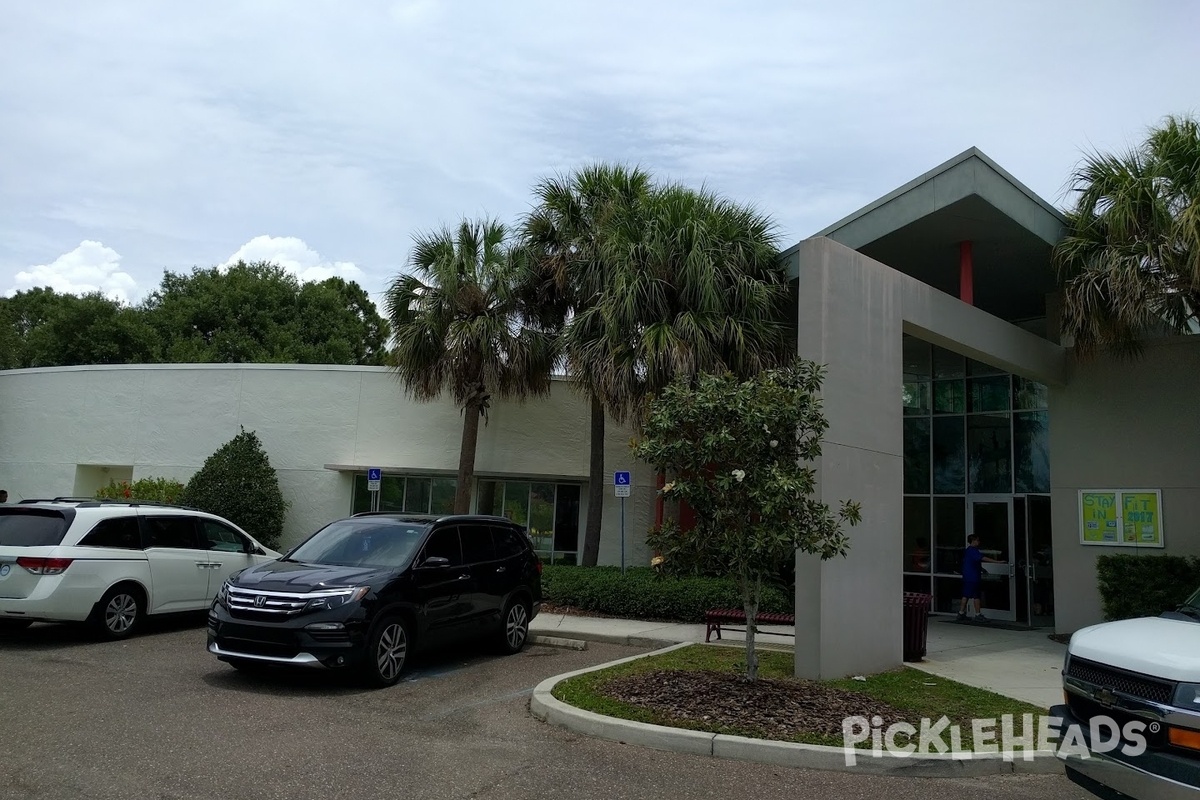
{"x":111,"y":564}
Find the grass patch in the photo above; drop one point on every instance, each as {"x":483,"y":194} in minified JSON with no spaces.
{"x":915,"y":693}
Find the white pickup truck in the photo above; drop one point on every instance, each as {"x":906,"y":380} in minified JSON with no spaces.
{"x":1141,"y":676}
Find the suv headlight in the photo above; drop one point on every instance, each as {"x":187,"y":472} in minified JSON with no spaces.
{"x":336,"y":598}
{"x":1188,"y":696}
{"x":223,"y":595}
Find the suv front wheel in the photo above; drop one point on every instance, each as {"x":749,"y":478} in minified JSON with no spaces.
{"x":387,"y":652}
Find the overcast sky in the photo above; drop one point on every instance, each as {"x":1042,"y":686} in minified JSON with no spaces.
{"x":142,"y":136}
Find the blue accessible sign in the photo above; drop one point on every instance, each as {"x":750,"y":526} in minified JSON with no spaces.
{"x":374,"y":476}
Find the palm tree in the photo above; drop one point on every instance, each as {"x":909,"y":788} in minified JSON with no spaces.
{"x":651,"y":283}
{"x":457,"y":323}
{"x":564,"y":236}
{"x":700,"y":288}
{"x":1130,"y":263}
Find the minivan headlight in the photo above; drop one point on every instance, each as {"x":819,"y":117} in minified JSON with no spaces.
{"x":1187,"y":695}
{"x":336,"y":598}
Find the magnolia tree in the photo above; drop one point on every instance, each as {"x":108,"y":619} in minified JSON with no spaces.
{"x":740,"y":454}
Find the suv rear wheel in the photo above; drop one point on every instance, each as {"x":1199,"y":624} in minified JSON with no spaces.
{"x":119,"y":613}
{"x":387,"y":653}
{"x":514,"y":626}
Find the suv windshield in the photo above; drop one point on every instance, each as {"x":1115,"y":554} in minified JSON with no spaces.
{"x":362,"y":543}
{"x":32,"y":527}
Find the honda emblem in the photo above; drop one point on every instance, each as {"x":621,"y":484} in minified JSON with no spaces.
{"x":259,"y":601}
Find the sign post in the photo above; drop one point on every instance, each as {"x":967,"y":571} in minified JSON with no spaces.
{"x":622,"y":483}
{"x":374,"y":479}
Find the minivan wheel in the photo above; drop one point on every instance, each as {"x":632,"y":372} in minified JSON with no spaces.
{"x":514,"y":631}
{"x":118,"y":614}
{"x":387,"y":653}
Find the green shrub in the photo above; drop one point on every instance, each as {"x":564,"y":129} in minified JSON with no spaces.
{"x":161,"y":490}
{"x":643,"y":594}
{"x":238,"y":483}
{"x":1145,"y":586}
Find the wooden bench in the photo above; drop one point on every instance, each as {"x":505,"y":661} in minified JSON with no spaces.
{"x":715,"y":619}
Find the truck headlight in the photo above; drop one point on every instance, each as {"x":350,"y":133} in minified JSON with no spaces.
{"x":1188,"y":696}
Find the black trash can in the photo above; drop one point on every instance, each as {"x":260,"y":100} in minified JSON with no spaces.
{"x":916,"y":624}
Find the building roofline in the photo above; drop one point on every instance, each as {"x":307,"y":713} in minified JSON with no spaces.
{"x":946,"y":166}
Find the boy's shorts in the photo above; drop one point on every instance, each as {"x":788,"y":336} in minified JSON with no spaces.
{"x":970,"y":590}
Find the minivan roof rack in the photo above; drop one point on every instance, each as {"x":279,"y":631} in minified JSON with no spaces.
{"x":94,"y":502}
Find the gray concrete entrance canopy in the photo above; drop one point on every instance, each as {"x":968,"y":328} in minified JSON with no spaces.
{"x":919,"y":229}
{"x":890,"y":269}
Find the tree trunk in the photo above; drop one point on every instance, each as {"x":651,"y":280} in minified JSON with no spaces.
{"x":751,"y":592}
{"x":595,"y":515}
{"x":466,"y":458}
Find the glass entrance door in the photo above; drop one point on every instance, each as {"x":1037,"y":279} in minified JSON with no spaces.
{"x":992,"y":519}
{"x":1039,"y":567}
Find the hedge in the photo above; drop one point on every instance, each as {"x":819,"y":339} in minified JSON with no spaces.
{"x":161,"y":490}
{"x":1145,"y":586}
{"x":643,"y":594}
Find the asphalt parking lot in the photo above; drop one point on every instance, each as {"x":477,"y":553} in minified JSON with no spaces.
{"x":157,"y":717}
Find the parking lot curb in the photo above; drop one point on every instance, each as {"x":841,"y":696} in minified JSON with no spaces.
{"x":558,"y":641}
{"x":546,"y":707}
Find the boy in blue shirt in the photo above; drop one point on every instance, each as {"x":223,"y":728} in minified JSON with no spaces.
{"x":972,"y":575}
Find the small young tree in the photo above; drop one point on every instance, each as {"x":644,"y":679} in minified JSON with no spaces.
{"x":740,"y":454}
{"x":238,"y":483}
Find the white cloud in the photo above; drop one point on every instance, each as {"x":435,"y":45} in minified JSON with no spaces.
{"x":295,"y":256}
{"x":90,"y":267}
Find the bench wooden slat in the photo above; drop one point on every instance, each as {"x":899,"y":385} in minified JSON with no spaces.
{"x":716,"y":616}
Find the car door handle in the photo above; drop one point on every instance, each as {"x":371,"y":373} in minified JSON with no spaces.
{"x":501,"y":569}
{"x":466,"y":577}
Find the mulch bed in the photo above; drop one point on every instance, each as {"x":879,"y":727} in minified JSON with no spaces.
{"x":770,"y":708}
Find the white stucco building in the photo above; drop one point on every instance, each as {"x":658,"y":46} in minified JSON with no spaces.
{"x":954,"y":405}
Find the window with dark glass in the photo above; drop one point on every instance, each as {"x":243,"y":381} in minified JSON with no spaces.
{"x":917,"y":555}
{"x":916,"y":455}
{"x":477,"y":543}
{"x":1032,"y":451}
{"x":508,"y":542}
{"x":949,"y":455}
{"x":172,"y":532}
{"x":444,"y":544}
{"x":222,"y":537}
{"x":989,"y":454}
{"x":118,"y":532}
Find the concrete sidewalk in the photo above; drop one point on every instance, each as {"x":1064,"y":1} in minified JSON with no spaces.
{"x":1025,"y":665}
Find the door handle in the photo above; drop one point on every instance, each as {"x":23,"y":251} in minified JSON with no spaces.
{"x":464,"y":577}
{"x":501,"y":569}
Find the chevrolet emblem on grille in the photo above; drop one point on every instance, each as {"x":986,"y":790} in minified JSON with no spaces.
{"x":260,"y":601}
{"x":1105,"y":697}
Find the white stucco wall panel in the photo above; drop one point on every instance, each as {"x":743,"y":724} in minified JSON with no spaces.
{"x":186,"y":414}
{"x":165,"y":420}
{"x":299,"y":413}
{"x":42,"y":417}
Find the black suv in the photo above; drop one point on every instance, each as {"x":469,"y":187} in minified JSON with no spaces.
{"x":362,"y":593}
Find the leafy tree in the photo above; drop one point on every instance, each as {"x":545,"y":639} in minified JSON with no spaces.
{"x":260,"y":312}
{"x":458,"y":329}
{"x":10,"y":343}
{"x":54,"y":330}
{"x":652,"y":283}
{"x":1130,"y":263}
{"x":740,"y":453}
{"x":237,"y":482}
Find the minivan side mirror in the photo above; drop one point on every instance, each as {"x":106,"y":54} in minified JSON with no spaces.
{"x":433,"y":562}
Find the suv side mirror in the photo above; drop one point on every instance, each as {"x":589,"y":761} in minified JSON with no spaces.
{"x":433,"y":562}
